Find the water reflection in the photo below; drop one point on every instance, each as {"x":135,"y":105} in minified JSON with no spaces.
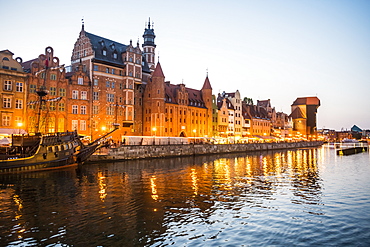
{"x":166,"y":201}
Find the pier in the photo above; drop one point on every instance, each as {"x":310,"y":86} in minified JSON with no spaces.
{"x":131,"y":152}
{"x":349,"y":151}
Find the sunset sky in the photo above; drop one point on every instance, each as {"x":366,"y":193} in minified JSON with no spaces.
{"x":277,"y":50}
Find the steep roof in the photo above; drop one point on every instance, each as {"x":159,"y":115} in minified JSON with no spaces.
{"x":158,"y":72}
{"x":100,"y":43}
{"x":307,"y":101}
{"x":27,"y":65}
{"x":355,"y":128}
{"x":297,"y":113}
{"x":264,"y":103}
{"x":207,"y":84}
{"x":195,"y":97}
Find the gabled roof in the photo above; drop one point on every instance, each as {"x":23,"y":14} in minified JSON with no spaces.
{"x":27,"y":65}
{"x":307,"y":101}
{"x":99,"y":44}
{"x":195,"y":97}
{"x":355,"y":128}
{"x":297,"y":113}
{"x":264,"y":103}
{"x":207,"y":84}
{"x":158,"y":72}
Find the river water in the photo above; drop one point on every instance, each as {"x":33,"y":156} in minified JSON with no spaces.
{"x":304,"y":197}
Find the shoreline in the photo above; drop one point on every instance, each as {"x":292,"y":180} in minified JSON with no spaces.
{"x":136,"y":152}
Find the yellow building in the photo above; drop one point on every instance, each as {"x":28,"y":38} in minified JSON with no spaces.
{"x":12,"y":94}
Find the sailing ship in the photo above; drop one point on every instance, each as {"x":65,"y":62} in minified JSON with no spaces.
{"x":47,"y":151}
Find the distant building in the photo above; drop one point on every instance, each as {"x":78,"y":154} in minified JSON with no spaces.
{"x":304,"y":112}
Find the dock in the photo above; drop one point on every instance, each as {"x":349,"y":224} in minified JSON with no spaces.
{"x":349,"y":151}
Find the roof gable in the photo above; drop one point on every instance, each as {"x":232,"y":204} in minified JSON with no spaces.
{"x":158,"y":72}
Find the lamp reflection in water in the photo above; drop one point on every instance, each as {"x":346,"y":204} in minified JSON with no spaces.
{"x":194,"y":179}
{"x":102,"y":186}
{"x":153,"y":186}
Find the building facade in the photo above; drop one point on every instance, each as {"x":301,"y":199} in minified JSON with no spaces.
{"x":304,"y":112}
{"x":175,"y":110}
{"x":12,"y":93}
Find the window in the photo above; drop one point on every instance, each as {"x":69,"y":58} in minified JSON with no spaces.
{"x":53,"y":91}
{"x":96,"y":82}
{"x":96,"y":68}
{"x":74,"y":109}
{"x":53,"y":77}
{"x":95,"y":95}
{"x":62,"y":92}
{"x":8,"y":85}
{"x":32,"y":88}
{"x":83,"y":109}
{"x":112,"y":71}
{"x":18,"y":104}
{"x":110,"y":97}
{"x":112,"y":84}
{"x":107,"y":83}
{"x":95,"y":109}
{"x":84,"y":95}
{"x":74,"y":124}
{"x":82,"y":124}
{"x":115,"y":55}
{"x":130,"y":73}
{"x":104,"y":52}
{"x":61,"y":107}
{"x":110,"y":110}
{"x":106,"y":70}
{"x":80,"y":81}
{"x":7,"y":102}
{"x":52,"y":106}
{"x":74,"y":94}
{"x":6,"y":120}
{"x":19,"y":87}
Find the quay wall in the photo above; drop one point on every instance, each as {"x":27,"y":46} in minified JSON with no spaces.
{"x":131,"y":152}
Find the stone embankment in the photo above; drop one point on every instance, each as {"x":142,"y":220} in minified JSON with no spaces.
{"x":130,"y":152}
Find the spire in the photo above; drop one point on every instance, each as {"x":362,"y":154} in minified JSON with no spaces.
{"x":83,"y":24}
{"x":149,"y":36}
{"x":158,"y":72}
{"x":207,"y":84}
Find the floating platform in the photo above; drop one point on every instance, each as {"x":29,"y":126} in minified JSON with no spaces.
{"x":349,"y":151}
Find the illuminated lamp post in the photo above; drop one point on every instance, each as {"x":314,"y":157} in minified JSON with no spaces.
{"x":154,"y":130}
{"x":19,"y":124}
{"x":194,"y":131}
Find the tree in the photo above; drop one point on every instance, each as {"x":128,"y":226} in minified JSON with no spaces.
{"x":249,"y":101}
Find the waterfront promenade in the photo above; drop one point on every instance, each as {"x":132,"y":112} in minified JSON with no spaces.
{"x":132,"y":152}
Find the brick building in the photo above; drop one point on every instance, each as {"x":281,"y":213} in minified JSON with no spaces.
{"x":117,"y":72}
{"x":175,"y":110}
{"x":45,"y":74}
{"x":304,"y":112}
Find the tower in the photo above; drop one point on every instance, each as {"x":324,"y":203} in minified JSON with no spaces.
{"x":149,"y":46}
{"x":207,"y":98}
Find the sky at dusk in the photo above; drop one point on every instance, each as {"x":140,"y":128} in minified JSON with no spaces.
{"x":277,"y":50}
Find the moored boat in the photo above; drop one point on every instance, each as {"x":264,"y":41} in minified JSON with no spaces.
{"x":49,"y":151}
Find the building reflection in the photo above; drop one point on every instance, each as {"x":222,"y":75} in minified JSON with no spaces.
{"x":132,"y":200}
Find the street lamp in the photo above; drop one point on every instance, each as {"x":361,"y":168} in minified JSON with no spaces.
{"x":194,"y":131}
{"x":19,"y":124}
{"x":154,"y":130}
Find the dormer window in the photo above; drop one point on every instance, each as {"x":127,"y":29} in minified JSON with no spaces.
{"x":115,"y":55}
{"x":104,"y":52}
